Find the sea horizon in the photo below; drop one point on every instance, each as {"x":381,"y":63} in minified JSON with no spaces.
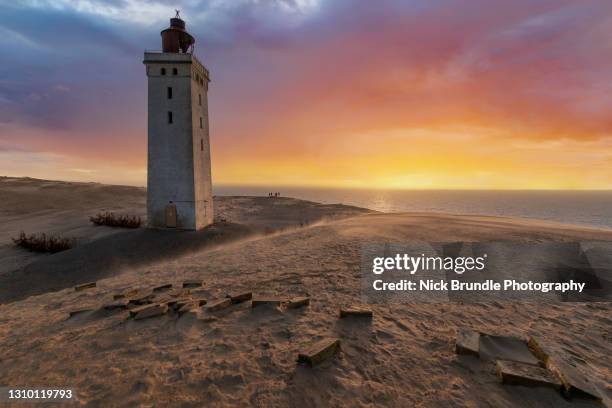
{"x":592,"y":208}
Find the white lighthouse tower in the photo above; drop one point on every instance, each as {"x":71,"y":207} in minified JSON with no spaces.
{"x":179,"y":185}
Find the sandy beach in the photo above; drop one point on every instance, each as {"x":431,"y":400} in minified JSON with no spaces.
{"x":240,"y":356}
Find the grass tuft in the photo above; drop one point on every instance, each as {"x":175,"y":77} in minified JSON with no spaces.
{"x":112,"y":220}
{"x":44,"y":243}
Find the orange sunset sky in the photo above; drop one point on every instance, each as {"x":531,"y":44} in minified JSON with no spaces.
{"x":387,"y":94}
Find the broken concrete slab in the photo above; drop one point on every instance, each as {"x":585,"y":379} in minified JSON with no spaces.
{"x":73,"y":313}
{"x":192,"y":284}
{"x":575,"y":384}
{"x":186,"y":307}
{"x":170,"y":301}
{"x":506,"y":348}
{"x":265,"y":302}
{"x":179,"y":292}
{"x":355,"y":311}
{"x":319,"y":352}
{"x":218,"y":305}
{"x":539,"y":349}
{"x":468,"y":342}
{"x":162,"y":288}
{"x":142,"y":300}
{"x":147,"y":311}
{"x":84,"y":286}
{"x":178,"y":303}
{"x":170,"y":298}
{"x":297,"y":302}
{"x":134,"y":311}
{"x":200,"y":301}
{"x":528,"y":375}
{"x":240,"y":297}
{"x":119,"y":305}
{"x":128,"y":294}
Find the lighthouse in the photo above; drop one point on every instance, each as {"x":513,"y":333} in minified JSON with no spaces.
{"x":179,"y":183}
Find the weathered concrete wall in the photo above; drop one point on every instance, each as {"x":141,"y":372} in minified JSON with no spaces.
{"x":201,"y":143}
{"x":178,"y":152}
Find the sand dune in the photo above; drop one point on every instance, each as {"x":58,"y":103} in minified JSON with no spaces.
{"x":63,"y":208}
{"x":246,"y":357}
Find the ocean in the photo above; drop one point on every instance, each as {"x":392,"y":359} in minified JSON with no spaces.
{"x":587,"y":208}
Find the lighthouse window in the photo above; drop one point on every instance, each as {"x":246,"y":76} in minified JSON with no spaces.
{"x":169,"y":92}
{"x":200,"y":123}
{"x":200,"y":99}
{"x":163,"y":71}
{"x":201,"y":145}
{"x":169,"y":117}
{"x":174,"y":71}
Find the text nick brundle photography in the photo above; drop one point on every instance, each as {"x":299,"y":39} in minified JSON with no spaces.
{"x":306,"y":203}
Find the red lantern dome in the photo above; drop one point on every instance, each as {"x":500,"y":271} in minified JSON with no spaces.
{"x":175,"y":38}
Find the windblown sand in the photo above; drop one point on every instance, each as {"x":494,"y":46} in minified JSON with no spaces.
{"x":246,"y":357}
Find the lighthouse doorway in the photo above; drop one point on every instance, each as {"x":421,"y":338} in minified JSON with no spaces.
{"x":171,"y":215}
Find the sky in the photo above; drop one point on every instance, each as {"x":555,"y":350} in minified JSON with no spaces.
{"x":390,"y":94}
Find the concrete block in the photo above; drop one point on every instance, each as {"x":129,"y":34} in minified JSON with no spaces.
{"x":134,"y":311}
{"x":468,"y":342}
{"x":117,"y":305}
{"x":129,"y":294}
{"x":142,"y":300}
{"x":218,"y":305}
{"x":200,"y":292}
{"x":170,"y":301}
{"x":575,"y":384}
{"x":184,"y":301}
{"x":539,"y":349}
{"x":78,"y":312}
{"x":319,"y":352}
{"x":144,"y":312}
{"x":84,"y":286}
{"x":240,"y":297}
{"x":507,"y":348}
{"x":265,"y":302}
{"x":192,"y":283}
{"x":162,"y":288}
{"x":179,"y":292}
{"x":297,"y":302}
{"x":356,"y":312}
{"x":178,"y":303}
{"x":187,"y":306}
{"x":528,"y":375}
{"x":168,"y":296}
